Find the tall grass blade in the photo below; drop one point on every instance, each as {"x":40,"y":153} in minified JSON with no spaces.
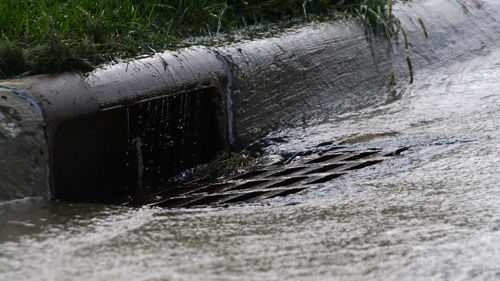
{"x":421,"y":22}
{"x":410,"y":68}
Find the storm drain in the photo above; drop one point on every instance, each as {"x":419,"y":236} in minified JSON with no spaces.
{"x":280,"y":179}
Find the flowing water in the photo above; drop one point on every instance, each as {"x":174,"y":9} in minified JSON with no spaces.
{"x":429,"y":214}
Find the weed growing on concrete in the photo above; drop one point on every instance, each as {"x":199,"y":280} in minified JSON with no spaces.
{"x":229,"y":163}
{"x":376,"y":16}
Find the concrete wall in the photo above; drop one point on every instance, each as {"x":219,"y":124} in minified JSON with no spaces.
{"x":304,"y":76}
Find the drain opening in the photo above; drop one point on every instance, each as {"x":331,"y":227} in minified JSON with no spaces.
{"x":324,"y":158}
{"x":287,"y":182}
{"x":204,"y":200}
{"x":129,"y":149}
{"x":287,"y":192}
{"x":249,"y":184}
{"x":245,"y":197}
{"x":212,"y":188}
{"x":365,"y":164}
{"x":326,"y":168}
{"x":171,"y":192}
{"x":327,"y":178}
{"x":361,"y":155}
{"x":286,"y":172}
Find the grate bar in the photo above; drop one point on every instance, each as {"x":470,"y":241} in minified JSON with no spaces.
{"x":267,"y":182}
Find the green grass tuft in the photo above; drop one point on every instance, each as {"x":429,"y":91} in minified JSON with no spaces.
{"x":49,"y":36}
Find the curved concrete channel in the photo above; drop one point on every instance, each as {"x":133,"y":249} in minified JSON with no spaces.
{"x":131,"y":125}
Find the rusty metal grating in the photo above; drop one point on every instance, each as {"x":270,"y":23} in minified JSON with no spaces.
{"x":271,"y":181}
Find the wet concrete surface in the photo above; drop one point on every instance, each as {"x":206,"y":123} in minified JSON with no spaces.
{"x":430,"y":214}
{"x":23,"y":148}
{"x":301,"y":77}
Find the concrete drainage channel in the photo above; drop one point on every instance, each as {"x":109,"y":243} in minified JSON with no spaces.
{"x":280,"y":179}
{"x":131,"y":126}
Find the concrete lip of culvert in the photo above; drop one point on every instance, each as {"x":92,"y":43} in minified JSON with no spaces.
{"x":131,"y":126}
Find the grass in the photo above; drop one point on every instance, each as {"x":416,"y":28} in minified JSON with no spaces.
{"x":50,"y":36}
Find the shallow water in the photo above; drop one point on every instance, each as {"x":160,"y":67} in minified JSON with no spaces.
{"x":430,"y":214}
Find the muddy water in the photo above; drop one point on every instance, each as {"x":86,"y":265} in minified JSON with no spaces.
{"x":430,"y":214}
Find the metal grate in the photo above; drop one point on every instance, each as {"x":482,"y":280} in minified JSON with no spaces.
{"x":268,"y":182}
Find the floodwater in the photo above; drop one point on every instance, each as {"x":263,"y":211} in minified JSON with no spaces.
{"x":429,"y":214}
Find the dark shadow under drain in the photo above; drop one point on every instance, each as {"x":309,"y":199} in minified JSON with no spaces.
{"x":267,"y":182}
